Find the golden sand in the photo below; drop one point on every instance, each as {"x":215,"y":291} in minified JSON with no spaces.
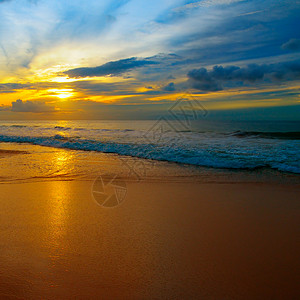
{"x":176,"y":234}
{"x":165,"y":241}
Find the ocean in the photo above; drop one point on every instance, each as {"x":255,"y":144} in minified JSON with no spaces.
{"x":213,"y":144}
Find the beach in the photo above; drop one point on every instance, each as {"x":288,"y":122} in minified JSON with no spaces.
{"x":149,"y":150}
{"x":174,"y":236}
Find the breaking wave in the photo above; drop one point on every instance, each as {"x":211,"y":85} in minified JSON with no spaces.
{"x":200,"y":150}
{"x":268,"y":135}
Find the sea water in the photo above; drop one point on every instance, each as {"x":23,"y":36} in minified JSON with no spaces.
{"x":215,"y":144}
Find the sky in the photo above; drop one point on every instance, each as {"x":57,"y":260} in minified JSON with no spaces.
{"x":132,"y":59}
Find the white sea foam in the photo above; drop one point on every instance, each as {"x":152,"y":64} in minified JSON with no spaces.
{"x":235,"y":150}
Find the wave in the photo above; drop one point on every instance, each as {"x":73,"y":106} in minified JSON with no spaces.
{"x":270,"y":135}
{"x":206,"y":157}
{"x":62,"y":128}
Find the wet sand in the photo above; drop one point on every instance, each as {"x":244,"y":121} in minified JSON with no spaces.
{"x":167,"y":240}
{"x":5,"y":153}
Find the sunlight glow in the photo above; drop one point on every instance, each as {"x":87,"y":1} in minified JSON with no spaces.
{"x":63,"y":79}
{"x":61,"y":93}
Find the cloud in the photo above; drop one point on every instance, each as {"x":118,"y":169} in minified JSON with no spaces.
{"x":112,"y":68}
{"x":220,"y":77}
{"x":170,"y":87}
{"x":292,"y":45}
{"x":206,"y":3}
{"x":222,"y":34}
{"x":4,"y":107}
{"x":31,"y":106}
{"x":12,"y":87}
{"x":16,"y":87}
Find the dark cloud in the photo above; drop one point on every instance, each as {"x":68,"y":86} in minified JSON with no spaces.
{"x":171,"y":77}
{"x":220,"y":77}
{"x":31,"y":106}
{"x":12,"y":87}
{"x":170,"y":87}
{"x":15,"y":87}
{"x":165,"y":57}
{"x":237,"y":34}
{"x":292,"y":45}
{"x":113,"y":68}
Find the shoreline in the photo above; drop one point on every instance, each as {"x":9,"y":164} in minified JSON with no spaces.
{"x":87,"y":165}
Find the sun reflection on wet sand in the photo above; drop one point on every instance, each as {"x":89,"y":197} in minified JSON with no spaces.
{"x":57,"y":211}
{"x":58,"y":205}
{"x":64,"y":161}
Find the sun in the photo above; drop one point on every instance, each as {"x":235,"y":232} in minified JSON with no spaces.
{"x":61,"y":93}
{"x":64,"y":95}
